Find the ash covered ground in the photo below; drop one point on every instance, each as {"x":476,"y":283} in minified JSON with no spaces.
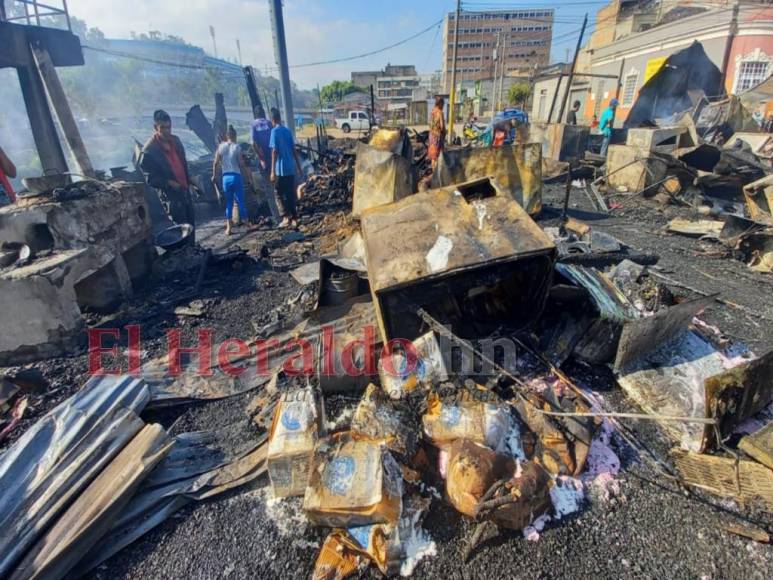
{"x":651,"y":528}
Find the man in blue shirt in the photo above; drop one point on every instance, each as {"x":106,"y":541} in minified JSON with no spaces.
{"x":285,"y":164}
{"x":605,"y":125}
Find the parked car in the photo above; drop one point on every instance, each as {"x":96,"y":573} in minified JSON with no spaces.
{"x":512,"y":113}
{"x":357,"y":120}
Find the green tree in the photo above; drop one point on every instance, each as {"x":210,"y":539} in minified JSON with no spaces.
{"x":337,"y":90}
{"x":518,"y":94}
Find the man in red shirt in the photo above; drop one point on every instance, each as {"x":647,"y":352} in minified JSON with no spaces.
{"x":7,"y":169}
{"x":166,"y":168}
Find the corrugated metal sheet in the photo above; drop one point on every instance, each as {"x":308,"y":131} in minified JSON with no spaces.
{"x":60,"y":455}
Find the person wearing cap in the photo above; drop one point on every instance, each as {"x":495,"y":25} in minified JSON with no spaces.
{"x":605,"y":125}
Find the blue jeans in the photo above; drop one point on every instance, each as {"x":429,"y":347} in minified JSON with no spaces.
{"x":605,"y":144}
{"x":233,"y":187}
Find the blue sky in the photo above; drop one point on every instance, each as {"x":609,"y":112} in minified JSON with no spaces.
{"x":316,"y":29}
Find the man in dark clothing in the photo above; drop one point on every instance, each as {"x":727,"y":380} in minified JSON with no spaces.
{"x":166,"y":168}
{"x":261,"y":137}
{"x":571,"y":117}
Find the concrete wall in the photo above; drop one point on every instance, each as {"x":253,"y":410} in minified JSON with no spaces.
{"x":542,"y":96}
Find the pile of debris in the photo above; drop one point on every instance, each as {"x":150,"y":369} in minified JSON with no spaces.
{"x":430,"y":370}
{"x":682,"y":148}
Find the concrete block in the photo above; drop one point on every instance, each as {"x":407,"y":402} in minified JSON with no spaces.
{"x":89,"y":252}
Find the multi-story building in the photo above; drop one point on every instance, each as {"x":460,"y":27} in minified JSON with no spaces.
{"x":364,"y":79}
{"x":518,"y":38}
{"x":396,"y":88}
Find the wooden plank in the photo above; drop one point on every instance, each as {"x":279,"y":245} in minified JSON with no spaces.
{"x":58,"y":99}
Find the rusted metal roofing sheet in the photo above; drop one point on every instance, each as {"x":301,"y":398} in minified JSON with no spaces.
{"x":54,"y":461}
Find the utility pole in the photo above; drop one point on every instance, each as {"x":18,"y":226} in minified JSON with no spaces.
{"x":571,"y":72}
{"x":451,"y":100}
{"x":495,"y":56}
{"x":502,"y":69}
{"x":372,"y":108}
{"x":280,"y":52}
{"x":214,"y":42}
{"x":239,"y":51}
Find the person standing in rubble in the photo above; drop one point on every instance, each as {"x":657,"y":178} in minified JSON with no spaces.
{"x":166,"y":168}
{"x":285,"y":162}
{"x":229,"y":157}
{"x":437,"y":131}
{"x":261,"y":137}
{"x":605,"y":125}
{"x":571,"y":116}
{"x":7,"y":170}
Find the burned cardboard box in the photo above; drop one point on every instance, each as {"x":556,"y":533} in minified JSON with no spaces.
{"x":472,"y":413}
{"x":377,"y":416}
{"x":392,"y":547}
{"x":354,"y":481}
{"x":516,"y":169}
{"x":468,"y":254}
{"x":339,"y":558}
{"x":294,"y":433}
{"x":403,"y":371}
{"x":560,"y":444}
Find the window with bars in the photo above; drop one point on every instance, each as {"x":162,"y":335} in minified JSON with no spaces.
{"x":751,"y":73}
{"x":629,"y":89}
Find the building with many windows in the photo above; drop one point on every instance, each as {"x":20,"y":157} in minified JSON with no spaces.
{"x":516,"y":40}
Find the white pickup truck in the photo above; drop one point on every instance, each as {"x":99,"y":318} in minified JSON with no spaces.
{"x":357,"y":120}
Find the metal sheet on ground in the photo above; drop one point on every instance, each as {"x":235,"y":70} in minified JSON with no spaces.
{"x":642,"y":336}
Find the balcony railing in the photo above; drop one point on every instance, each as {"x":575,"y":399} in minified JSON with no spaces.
{"x":34,"y":13}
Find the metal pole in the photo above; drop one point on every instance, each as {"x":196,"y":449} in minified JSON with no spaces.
{"x":555,"y":96}
{"x":452,"y":98}
{"x":496,"y":75}
{"x":502,"y":69}
{"x":239,"y":51}
{"x":567,"y":192}
{"x":372,"y":107}
{"x":571,"y":73}
{"x":620,"y":79}
{"x":280,"y":51}
{"x":66,"y":14}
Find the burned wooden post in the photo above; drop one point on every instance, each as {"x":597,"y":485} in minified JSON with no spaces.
{"x":571,"y":72}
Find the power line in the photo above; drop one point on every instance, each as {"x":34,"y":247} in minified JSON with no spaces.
{"x":366,"y":54}
{"x":228,"y":69}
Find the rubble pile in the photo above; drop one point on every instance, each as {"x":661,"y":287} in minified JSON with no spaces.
{"x":332,"y":181}
{"x":444,"y":321}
